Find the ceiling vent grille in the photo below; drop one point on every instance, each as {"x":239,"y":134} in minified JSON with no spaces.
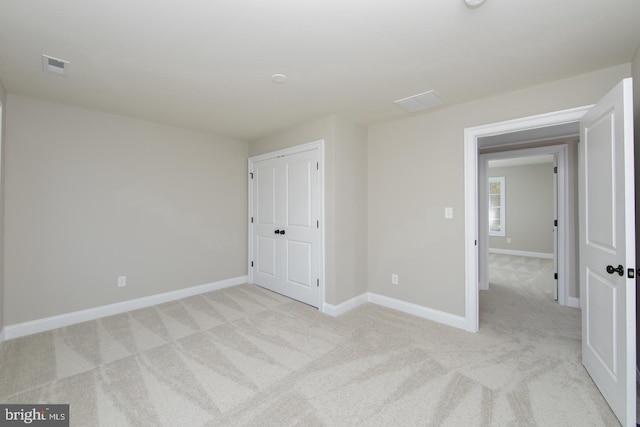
{"x":54,"y":65}
{"x":419,"y":102}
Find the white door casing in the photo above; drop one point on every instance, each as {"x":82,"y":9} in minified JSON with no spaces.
{"x":285,"y":209}
{"x":607,"y":249}
{"x":472,"y":136}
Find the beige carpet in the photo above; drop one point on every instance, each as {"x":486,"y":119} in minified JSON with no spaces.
{"x":246,"y":356}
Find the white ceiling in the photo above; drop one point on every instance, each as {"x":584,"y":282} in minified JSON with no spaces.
{"x":207,"y":65}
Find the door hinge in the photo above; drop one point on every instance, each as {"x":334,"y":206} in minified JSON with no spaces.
{"x":555,"y":169}
{"x":555,"y":222}
{"x":475,"y":242}
{"x":251,"y":263}
{"x":318,"y":224}
{"x":555,"y":276}
{"x":318,"y":282}
{"x":317,"y":166}
{"x":251,"y":220}
{"x":251,"y":173}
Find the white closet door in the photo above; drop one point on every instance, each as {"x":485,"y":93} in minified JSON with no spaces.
{"x":264,"y":240}
{"x":286,"y":230}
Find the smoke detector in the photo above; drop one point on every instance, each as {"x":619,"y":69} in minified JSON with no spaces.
{"x":55,"y":65}
{"x":279,"y":78}
{"x":474,"y":3}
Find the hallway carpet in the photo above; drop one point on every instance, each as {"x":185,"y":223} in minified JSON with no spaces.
{"x":246,"y":356}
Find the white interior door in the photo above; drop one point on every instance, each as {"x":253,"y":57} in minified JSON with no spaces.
{"x":286,"y":235}
{"x":300,"y":279}
{"x":607,"y":249}
{"x":264,"y":240}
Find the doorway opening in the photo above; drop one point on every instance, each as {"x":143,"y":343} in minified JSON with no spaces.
{"x":538,"y":220}
{"x":500,"y":137}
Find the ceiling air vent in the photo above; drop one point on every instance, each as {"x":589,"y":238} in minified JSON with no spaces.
{"x":419,"y":102}
{"x":55,"y":65}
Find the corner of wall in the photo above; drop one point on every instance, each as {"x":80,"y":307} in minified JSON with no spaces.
{"x":2,"y":133}
{"x":351,"y":209}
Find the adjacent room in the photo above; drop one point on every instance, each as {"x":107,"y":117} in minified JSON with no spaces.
{"x":271,"y":213}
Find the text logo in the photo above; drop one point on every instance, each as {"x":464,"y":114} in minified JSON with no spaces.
{"x":34,"y":415}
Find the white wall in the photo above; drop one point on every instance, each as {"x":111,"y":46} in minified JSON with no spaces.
{"x":529,"y":208}
{"x":92,"y":196}
{"x":416,"y":169}
{"x":345,"y":198}
{"x":2,"y":133}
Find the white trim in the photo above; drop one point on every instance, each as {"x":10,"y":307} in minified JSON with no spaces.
{"x":315,"y":145}
{"x":288,"y":151}
{"x":419,"y":311}
{"x":398,"y":305}
{"x":344,"y":307}
{"x":471,"y":136}
{"x":573,"y":302}
{"x":2,"y":336}
{"x":521,"y":253}
{"x":471,"y":229}
{"x":59,"y":321}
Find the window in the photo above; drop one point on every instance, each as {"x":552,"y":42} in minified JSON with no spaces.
{"x":496,"y":206}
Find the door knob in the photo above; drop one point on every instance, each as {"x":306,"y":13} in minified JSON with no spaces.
{"x":281,"y":231}
{"x":619,"y":270}
{"x":277,"y":231}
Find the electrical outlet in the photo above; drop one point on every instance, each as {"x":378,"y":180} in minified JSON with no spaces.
{"x":394,"y":279}
{"x":508,"y":239}
{"x":122,"y":281}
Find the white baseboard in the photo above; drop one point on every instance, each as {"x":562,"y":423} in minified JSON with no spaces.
{"x":419,"y":310}
{"x":2,"y":337}
{"x":573,"y":302}
{"x":521,"y":253}
{"x":399,"y":305}
{"x":59,"y":321}
{"x":340,"y":309}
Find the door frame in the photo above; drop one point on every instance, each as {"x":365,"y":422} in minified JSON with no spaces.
{"x":315,"y":145}
{"x":471,"y":168}
{"x":564,"y":211}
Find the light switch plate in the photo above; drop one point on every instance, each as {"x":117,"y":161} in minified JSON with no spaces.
{"x":448,"y":213}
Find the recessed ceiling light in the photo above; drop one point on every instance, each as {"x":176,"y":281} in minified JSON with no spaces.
{"x":419,"y":102}
{"x":279,"y":78}
{"x":55,"y":65}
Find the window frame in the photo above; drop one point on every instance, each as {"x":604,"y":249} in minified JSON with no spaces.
{"x":503,"y":189}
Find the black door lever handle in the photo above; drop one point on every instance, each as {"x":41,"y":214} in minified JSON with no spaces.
{"x":619,"y":270}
